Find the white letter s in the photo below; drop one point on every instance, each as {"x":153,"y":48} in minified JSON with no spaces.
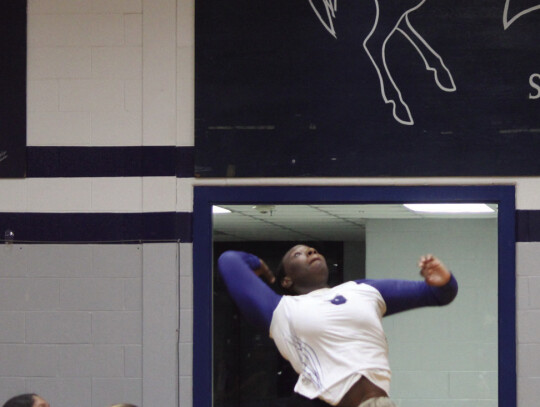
{"x":535,"y":85}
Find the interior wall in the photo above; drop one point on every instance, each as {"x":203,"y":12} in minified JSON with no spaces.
{"x":441,"y":356}
{"x":71,"y":318}
{"x":88,"y":64}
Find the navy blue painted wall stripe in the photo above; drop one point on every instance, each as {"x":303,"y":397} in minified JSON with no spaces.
{"x":528,"y":226}
{"x":97,"y":227}
{"x":136,"y":161}
{"x":147,"y":227}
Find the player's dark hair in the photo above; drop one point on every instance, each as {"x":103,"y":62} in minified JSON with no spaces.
{"x":22,"y":400}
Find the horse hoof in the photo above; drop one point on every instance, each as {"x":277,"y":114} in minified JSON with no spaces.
{"x":402,"y":113}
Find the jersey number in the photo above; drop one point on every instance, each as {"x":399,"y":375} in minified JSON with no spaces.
{"x":338,"y":300}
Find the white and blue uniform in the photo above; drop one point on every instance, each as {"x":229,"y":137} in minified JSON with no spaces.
{"x":331,"y":336}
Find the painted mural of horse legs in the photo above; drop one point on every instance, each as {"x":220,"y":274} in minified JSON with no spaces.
{"x":390,"y":19}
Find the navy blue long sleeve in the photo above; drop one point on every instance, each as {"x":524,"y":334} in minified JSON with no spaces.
{"x":403,"y":295}
{"x":255,"y":299}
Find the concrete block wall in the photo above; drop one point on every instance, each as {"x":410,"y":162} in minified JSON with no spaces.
{"x":78,"y":327}
{"x":441,"y":356}
{"x":121,"y":73}
{"x":72,"y":322}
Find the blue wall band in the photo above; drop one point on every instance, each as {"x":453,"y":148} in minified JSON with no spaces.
{"x":144,"y":227}
{"x":97,"y":227}
{"x":136,"y":161}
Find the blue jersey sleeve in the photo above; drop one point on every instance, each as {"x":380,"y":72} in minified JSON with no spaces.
{"x":403,"y":295}
{"x":254,"y":298}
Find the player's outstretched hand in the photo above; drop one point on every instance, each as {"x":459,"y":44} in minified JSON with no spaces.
{"x":433,"y":270}
{"x":265,"y":273}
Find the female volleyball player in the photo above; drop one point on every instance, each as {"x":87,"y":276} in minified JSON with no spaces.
{"x":333,"y":337}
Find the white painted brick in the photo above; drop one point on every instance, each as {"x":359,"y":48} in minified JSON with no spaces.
{"x":186,"y":359}
{"x":404,"y":356}
{"x":58,"y":260}
{"x":470,"y":356}
{"x":160,"y":324}
{"x":528,"y":356}
{"x":159,"y":61}
{"x":186,"y":326}
{"x":186,"y":292}
{"x":528,"y":389}
{"x":534,"y":292}
{"x":133,"y":294}
{"x":527,"y":196}
{"x":62,"y":391}
{"x":107,"y":30}
{"x":59,"y":62}
{"x":419,"y":384}
{"x":159,"y":194}
{"x":117,"y":327}
{"x":426,"y":321}
{"x":92,"y":95}
{"x":106,"y":392}
{"x":11,"y":386}
{"x":528,"y":327}
{"x":59,"y":128}
{"x":184,"y":195}
{"x":91,"y":361}
{"x":58,"y":327}
{"x":522,"y":293}
{"x":186,"y":96}
{"x":42,"y":95}
{"x":133,"y":29}
{"x":116,"y":261}
{"x":59,"y":194}
{"x":23,"y":294}
{"x":59,"y":30}
{"x":186,"y":259}
{"x":117,"y":194}
{"x":186,"y":391}
{"x":527,"y":259}
{"x":117,"y":6}
{"x":116,"y":128}
{"x":133,"y":361}
{"x":13,"y":260}
{"x":59,"y":6}
{"x":13,"y":197}
{"x":28,"y":360}
{"x":91,"y":294}
{"x":475,"y":385}
{"x":117,"y":62}
{"x":133,"y":96}
{"x":185,"y":23}
{"x":12,"y":324}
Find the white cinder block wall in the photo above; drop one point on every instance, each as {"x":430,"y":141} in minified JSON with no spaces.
{"x":121,"y":73}
{"x":77,"y":325}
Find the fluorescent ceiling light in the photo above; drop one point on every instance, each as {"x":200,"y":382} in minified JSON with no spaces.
{"x":219,"y":209}
{"x":450,"y":208}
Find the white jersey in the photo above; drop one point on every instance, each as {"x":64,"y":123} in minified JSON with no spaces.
{"x":332,"y":337}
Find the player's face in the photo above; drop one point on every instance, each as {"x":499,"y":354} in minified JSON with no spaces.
{"x":39,"y":402}
{"x":306,"y":267}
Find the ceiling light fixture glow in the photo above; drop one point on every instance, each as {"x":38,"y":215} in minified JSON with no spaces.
{"x":450,"y":208}
{"x":219,"y":210}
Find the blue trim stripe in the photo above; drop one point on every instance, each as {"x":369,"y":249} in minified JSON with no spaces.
{"x":97,"y":227}
{"x":136,"y":161}
{"x":528,"y":226}
{"x":112,"y":227}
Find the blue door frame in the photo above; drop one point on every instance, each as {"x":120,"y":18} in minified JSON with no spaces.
{"x":206,"y":197}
